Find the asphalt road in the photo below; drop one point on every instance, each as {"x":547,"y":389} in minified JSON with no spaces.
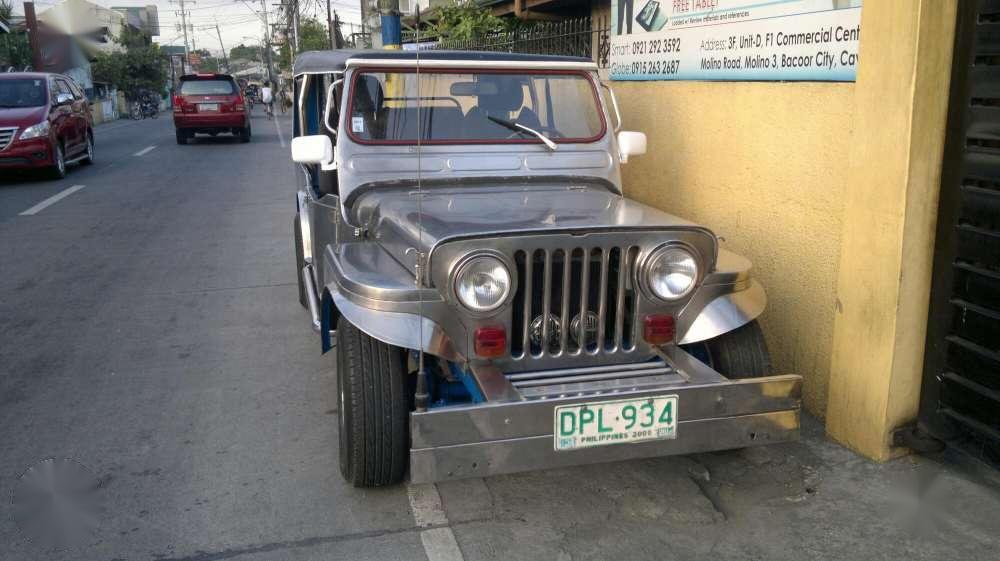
{"x":150,"y":330}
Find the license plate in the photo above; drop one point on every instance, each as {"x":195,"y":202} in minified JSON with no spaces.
{"x":208,"y":107}
{"x":601,"y":423}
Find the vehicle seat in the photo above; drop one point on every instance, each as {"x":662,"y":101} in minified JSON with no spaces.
{"x":438,"y":123}
{"x":509,"y":97}
{"x":529,"y":118}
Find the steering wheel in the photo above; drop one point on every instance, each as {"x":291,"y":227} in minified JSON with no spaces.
{"x":550,"y":132}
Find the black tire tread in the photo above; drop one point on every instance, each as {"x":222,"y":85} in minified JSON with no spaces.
{"x":741,"y":353}
{"x":376,"y":404}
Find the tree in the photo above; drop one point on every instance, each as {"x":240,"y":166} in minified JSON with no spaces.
{"x":209,"y":64}
{"x":465,"y":20}
{"x":14,"y":47}
{"x":312,"y":37}
{"x":246,"y":52}
{"x":139,"y":67}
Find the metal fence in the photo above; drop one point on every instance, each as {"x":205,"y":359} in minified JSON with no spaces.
{"x":581,"y":37}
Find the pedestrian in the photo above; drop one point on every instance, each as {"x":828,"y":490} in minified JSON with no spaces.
{"x":267,"y":98}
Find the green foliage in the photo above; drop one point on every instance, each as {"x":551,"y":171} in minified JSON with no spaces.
{"x":464,"y":20}
{"x":14,"y":51}
{"x":6,"y":10}
{"x":241,"y":51}
{"x":313,"y":36}
{"x":209,"y":65}
{"x":139,"y":67}
{"x":14,"y":48}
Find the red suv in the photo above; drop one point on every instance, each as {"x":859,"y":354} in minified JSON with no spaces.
{"x":45,"y":123}
{"x":210,"y":104}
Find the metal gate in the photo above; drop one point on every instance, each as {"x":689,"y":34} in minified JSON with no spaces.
{"x":960,"y":399}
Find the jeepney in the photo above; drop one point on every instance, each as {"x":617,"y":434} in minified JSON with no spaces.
{"x":493,"y":301}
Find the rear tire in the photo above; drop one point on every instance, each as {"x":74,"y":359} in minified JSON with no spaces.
{"x":245,"y":135}
{"x":89,"y":158}
{"x":373,"y":409}
{"x":300,"y":262}
{"x":741,"y":353}
{"x":182,"y":136}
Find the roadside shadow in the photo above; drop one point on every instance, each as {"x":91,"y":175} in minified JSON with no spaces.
{"x":220,"y":139}
{"x":18,"y":178}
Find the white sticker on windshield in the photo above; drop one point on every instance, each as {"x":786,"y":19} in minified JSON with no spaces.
{"x":357,"y":124}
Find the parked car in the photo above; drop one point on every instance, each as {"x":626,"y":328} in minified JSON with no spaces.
{"x":209,"y":104}
{"x":495,"y":301}
{"x":45,"y":123}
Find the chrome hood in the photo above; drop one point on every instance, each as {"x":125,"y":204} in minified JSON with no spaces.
{"x":399,"y":219}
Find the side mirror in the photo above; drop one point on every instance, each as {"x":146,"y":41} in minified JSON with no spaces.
{"x":64,"y":98}
{"x":631,"y":144}
{"x":312,"y":149}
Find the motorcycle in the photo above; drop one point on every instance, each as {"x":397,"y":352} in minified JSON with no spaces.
{"x":143,"y":109}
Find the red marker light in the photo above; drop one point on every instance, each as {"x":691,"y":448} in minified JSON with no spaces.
{"x":659,"y":330}
{"x":490,"y":342}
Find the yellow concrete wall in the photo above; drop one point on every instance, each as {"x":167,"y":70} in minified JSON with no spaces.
{"x":891,"y":207}
{"x":764,"y":164}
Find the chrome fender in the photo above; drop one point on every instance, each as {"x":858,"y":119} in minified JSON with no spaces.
{"x":401,"y":329}
{"x":727,"y":312}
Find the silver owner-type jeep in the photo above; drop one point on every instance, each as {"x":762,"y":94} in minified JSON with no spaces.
{"x":496,"y":303}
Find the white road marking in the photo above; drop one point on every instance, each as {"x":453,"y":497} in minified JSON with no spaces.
{"x":144,"y":151}
{"x":440,"y":545}
{"x":425,"y":502}
{"x":281,"y":138}
{"x":51,"y":200}
{"x":438,"y":540}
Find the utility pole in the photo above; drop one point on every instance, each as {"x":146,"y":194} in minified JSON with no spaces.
{"x":266,"y":43}
{"x":225,"y":57}
{"x":392,"y":31}
{"x":184,"y":28}
{"x":295,"y":25}
{"x":32,"y":24}
{"x":329,"y":25}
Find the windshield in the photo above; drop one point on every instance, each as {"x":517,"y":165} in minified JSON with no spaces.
{"x":473,"y":107}
{"x":207,"y":87}
{"x":22,"y":92}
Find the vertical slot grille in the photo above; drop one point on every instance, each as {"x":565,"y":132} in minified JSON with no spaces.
{"x":574,"y":301}
{"x":6,"y":136}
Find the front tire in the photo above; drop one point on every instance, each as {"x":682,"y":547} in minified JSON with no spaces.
{"x":373,"y":408}
{"x":740,"y":353}
{"x":58,"y":169}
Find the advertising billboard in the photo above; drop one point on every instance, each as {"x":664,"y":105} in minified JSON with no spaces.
{"x":735,"y":39}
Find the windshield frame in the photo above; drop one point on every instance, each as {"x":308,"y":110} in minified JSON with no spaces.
{"x":362,"y":69}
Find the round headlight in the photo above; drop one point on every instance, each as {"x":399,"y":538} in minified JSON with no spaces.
{"x":671,"y":273}
{"x":482,"y":283}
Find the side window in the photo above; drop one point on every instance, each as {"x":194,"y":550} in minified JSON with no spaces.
{"x":53,"y":90}
{"x":64,"y":87}
{"x":75,"y":88}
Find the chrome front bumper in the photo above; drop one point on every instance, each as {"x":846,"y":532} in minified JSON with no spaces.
{"x":516,"y":434}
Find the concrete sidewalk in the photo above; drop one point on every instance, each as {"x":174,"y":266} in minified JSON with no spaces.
{"x":810,"y":499}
